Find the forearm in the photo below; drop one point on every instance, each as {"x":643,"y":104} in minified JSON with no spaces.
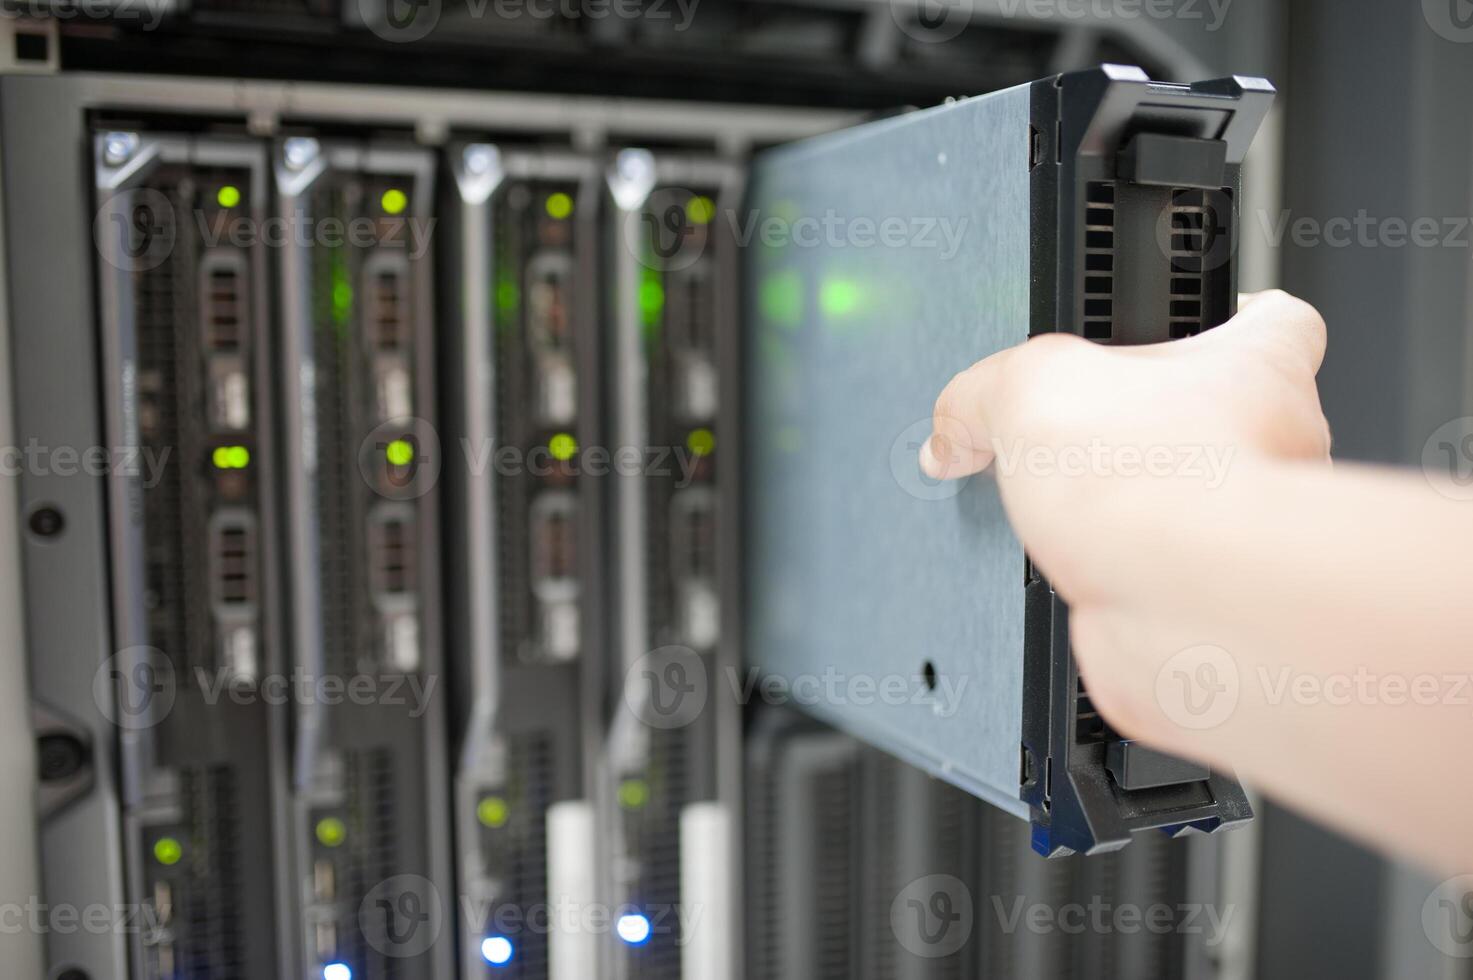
{"x":1337,"y":603}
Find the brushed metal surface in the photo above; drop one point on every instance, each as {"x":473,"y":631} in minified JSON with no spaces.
{"x":882,"y":260}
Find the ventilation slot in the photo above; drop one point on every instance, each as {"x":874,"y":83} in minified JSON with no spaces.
{"x":388,"y":313}
{"x":222,"y":301}
{"x":1088,"y":725}
{"x":391,"y":544}
{"x":233,"y":561}
{"x":1099,"y":261}
{"x":1191,"y":240}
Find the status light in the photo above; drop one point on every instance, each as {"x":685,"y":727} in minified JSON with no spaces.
{"x":559,"y":205}
{"x":700,"y":210}
{"x":167,"y":851}
{"x":229,"y":196}
{"x":493,"y":812}
{"x":633,"y":928}
{"x":497,"y":950}
{"x":633,"y":794}
{"x":331,"y":832}
{"x":394,"y":201}
{"x":399,"y":452}
{"x":562,"y":446}
{"x":231,"y":457}
{"x":701,"y":442}
{"x":337,"y":971}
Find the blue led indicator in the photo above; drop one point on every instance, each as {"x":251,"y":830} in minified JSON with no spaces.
{"x":633,"y":928}
{"x":337,"y":971}
{"x":497,"y":950}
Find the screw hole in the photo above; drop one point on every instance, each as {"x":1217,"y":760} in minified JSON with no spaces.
{"x":47,"y":522}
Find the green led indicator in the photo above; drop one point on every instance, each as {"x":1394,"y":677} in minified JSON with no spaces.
{"x":231,"y":457}
{"x":634,"y":794}
{"x":331,"y":832}
{"x":493,"y":812}
{"x":559,"y":205}
{"x":562,"y":446}
{"x":507,"y":296}
{"x":400,"y":452}
{"x":780,"y":297}
{"x":702,"y":442}
{"x":342,"y":300}
{"x":229,"y":196}
{"x":168,"y":851}
{"x":700,"y":209}
{"x":651,"y":300}
{"x":838,"y":297}
{"x":394,"y":201}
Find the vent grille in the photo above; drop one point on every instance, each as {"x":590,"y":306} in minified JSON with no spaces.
{"x":1192,"y":240}
{"x":1089,"y":726}
{"x":393,"y":568}
{"x":223,"y":303}
{"x":1099,"y":261}
{"x":233,"y":558}
{"x":212,"y":946}
{"x":388,"y":308}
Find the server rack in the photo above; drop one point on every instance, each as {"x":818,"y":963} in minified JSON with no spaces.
{"x":369,"y":829}
{"x":193,"y":518}
{"x":666,"y":797}
{"x":527,"y":403}
{"x":45,"y":116}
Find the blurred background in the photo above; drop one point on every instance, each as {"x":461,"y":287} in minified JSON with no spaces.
{"x":1371,"y":126}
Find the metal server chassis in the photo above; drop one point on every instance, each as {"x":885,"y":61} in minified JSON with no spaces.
{"x":1011,"y":226}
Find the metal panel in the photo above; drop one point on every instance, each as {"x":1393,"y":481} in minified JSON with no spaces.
{"x":836,"y":502}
